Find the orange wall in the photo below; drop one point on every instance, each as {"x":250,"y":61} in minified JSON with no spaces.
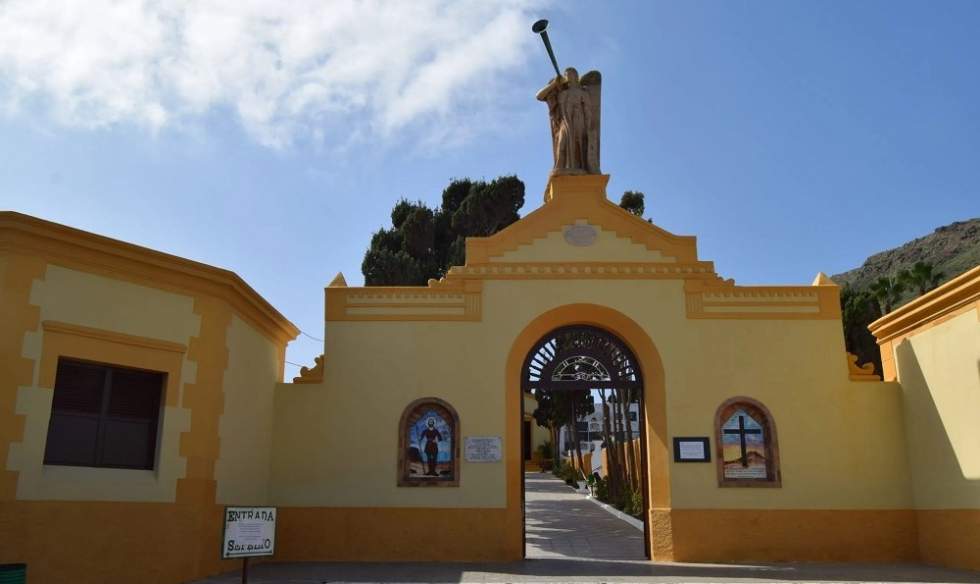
{"x":99,"y":543}
{"x":397,"y":534}
{"x":746,"y":535}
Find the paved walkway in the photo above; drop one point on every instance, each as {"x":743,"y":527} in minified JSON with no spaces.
{"x":589,"y":571}
{"x":562,"y":524}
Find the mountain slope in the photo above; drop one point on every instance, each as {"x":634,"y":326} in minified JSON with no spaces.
{"x":951,"y":250}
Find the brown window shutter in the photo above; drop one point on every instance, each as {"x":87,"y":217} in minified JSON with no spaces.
{"x":103,"y":415}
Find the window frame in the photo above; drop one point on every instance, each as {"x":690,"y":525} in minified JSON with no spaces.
{"x":765,"y":419}
{"x":104,"y":416}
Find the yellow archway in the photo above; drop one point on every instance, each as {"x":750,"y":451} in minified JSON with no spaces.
{"x":660,"y":542}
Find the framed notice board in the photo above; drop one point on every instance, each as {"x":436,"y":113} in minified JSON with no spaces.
{"x":692,"y":449}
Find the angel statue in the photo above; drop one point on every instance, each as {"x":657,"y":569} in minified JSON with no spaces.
{"x":573,"y":106}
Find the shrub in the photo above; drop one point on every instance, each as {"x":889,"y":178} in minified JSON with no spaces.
{"x":602,"y":490}
{"x":545,"y":450}
{"x":637,"y":503}
{"x":558,"y":468}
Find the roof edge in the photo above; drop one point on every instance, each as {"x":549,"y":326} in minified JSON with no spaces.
{"x":953,"y":295}
{"x":33,"y":232}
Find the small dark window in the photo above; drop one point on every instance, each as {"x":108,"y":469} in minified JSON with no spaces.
{"x":104,"y":416}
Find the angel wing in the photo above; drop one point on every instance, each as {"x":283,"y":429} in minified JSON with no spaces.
{"x":592,"y":83}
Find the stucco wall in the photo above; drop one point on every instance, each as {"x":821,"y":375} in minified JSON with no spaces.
{"x":842,"y":444}
{"x":79,"y":298}
{"x":938,"y":371}
{"x":246,"y":428}
{"x":336,"y":444}
{"x":539,"y":434}
{"x":65,"y":293}
{"x":931,"y":345}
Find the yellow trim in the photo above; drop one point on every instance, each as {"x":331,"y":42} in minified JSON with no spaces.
{"x":458,"y":296}
{"x":73,"y":248}
{"x":354,"y":534}
{"x":455,"y":300}
{"x":88,"y":344}
{"x":959,"y":295}
{"x":779,"y":535}
{"x":311,"y":374}
{"x":205,"y":399}
{"x":338,"y":281}
{"x":654,"y":400}
{"x":189,"y":534}
{"x":950,"y":537}
{"x":723,"y":299}
{"x":857,"y":372}
{"x":52,"y":326}
{"x":19,"y":317}
{"x":584,"y":270}
{"x":570,"y":198}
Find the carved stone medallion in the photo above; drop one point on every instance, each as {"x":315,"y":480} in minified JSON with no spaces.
{"x":581,"y":235}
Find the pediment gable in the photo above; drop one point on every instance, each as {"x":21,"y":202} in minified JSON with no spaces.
{"x":582,"y":241}
{"x":578,"y":223}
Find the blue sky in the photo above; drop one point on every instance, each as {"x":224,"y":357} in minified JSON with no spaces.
{"x":273,"y":139}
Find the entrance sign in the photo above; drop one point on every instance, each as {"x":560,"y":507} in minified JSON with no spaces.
{"x":249,"y":532}
{"x":483,"y":449}
{"x":691,"y":450}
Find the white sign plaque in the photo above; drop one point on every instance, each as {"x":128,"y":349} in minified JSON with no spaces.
{"x":692,"y":450}
{"x":249,"y":532}
{"x":483,"y":449}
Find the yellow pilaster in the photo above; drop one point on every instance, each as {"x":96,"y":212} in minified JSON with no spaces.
{"x":18,"y":318}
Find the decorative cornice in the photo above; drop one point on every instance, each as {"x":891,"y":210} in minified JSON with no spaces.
{"x":857,"y":372}
{"x":79,"y":249}
{"x":570,"y":200}
{"x":722,"y":299}
{"x":953,"y":296}
{"x":443,"y":300}
{"x":584,"y":270}
{"x":311,"y":375}
{"x":52,"y":326}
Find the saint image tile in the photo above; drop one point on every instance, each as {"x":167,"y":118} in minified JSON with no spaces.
{"x":430,"y":445}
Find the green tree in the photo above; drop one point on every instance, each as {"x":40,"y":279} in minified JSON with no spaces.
{"x":423,"y":243}
{"x":633,"y":202}
{"x":921,"y":277}
{"x":563,"y":408}
{"x":858,"y":310}
{"x":887,"y":291}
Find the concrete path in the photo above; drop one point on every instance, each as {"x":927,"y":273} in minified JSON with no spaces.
{"x":589,"y":571}
{"x":562,"y":524}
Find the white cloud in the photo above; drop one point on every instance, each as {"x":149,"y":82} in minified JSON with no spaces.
{"x":285,"y":68}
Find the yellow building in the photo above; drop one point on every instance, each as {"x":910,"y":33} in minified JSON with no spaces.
{"x":825,"y":462}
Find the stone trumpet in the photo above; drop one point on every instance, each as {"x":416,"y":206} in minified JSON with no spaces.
{"x":541,"y":27}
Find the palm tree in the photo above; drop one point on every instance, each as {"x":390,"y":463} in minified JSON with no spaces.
{"x":922,"y":277}
{"x":886,"y":292}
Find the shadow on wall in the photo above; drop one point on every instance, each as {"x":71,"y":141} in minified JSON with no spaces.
{"x":927,"y":430}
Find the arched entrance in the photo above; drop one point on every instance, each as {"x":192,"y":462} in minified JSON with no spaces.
{"x":659,"y":531}
{"x":589,"y":389}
